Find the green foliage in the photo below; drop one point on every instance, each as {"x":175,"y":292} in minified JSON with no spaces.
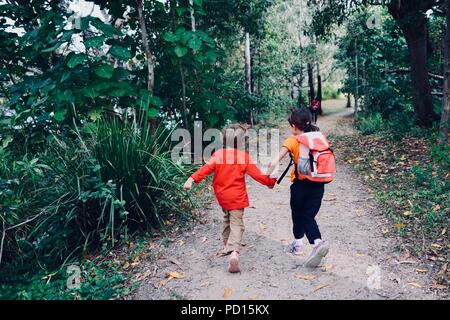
{"x":100,"y":280}
{"x":372,"y":124}
{"x":87,"y":191}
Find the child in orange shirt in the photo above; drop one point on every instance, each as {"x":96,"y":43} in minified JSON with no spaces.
{"x":230,"y":165}
{"x":306,"y":195}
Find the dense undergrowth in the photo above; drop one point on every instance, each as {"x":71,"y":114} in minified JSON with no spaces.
{"x":410,"y":176}
{"x":86,"y":192}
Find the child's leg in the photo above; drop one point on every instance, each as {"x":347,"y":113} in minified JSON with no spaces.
{"x":311,"y":207}
{"x":236,"y":229}
{"x":297,"y":200}
{"x":226,"y":226}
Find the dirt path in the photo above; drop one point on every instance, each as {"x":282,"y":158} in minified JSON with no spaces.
{"x":349,"y":219}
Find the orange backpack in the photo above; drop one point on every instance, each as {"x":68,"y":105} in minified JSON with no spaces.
{"x":316,"y":161}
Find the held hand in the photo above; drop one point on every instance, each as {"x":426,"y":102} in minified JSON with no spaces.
{"x":188,"y":184}
{"x":273,"y":182}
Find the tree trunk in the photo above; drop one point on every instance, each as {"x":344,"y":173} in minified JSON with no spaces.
{"x":148,"y":53}
{"x":311,"y":83}
{"x":180,"y":70}
{"x":319,"y":88}
{"x":414,"y":23}
{"x":248,"y":74}
{"x":149,"y":56}
{"x":357,"y":82}
{"x":193,"y":24}
{"x":423,"y":102}
{"x":183,"y":98}
{"x":300,"y":75}
{"x":349,"y":102}
{"x":443,"y":132}
{"x":366,"y":88}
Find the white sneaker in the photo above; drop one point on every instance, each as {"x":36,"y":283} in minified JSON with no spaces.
{"x":233,"y":266}
{"x":296,"y":248}
{"x":316,"y":256}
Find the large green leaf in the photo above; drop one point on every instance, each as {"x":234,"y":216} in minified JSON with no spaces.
{"x":195,"y":43}
{"x":51,"y":49}
{"x":152,"y":113}
{"x":90,"y":92}
{"x":107,"y":29}
{"x":75,"y":60}
{"x":181,"y":51}
{"x":104,"y":71}
{"x":94,"y":42}
{"x":170,"y":37}
{"x":60,"y":114}
{"x":117,"y":92}
{"x":120,"y":52}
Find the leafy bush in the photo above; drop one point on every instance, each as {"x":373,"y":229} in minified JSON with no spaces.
{"x":371,"y":124}
{"x":100,"y":280}
{"x":86,"y":191}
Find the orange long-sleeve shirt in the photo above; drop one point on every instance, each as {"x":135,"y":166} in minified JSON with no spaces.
{"x":230,"y":167}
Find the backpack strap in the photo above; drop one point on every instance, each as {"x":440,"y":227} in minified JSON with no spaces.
{"x":287,"y":169}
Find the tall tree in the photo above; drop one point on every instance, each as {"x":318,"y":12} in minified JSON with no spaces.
{"x":443,"y":139}
{"x":311,"y":82}
{"x":248,"y":73}
{"x":412,"y":19}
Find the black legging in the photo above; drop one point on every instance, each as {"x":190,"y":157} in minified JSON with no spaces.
{"x":315,"y":114}
{"x":306,"y":199}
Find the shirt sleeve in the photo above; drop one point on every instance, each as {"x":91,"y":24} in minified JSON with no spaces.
{"x":205,"y":170}
{"x":290,"y":143}
{"x":253,"y":171}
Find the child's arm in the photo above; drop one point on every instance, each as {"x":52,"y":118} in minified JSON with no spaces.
{"x":276,"y":160}
{"x":254,"y":172}
{"x":201,"y":173}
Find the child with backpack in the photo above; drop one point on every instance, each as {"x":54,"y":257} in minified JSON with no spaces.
{"x":314,"y":167}
{"x":230,"y":165}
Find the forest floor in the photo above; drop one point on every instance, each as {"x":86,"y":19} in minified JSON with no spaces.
{"x":188,"y":267}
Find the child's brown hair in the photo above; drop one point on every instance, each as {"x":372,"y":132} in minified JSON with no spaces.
{"x":302,"y":119}
{"x":235,"y":136}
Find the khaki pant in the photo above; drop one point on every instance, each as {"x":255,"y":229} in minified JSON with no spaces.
{"x":233,"y":229}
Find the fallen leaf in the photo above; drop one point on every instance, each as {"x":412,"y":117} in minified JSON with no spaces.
{"x":436,"y":207}
{"x":262,"y":226}
{"x":227,"y":293}
{"x":305,"y":277}
{"x":361,"y":254}
{"x":181,"y":242}
{"x":254,"y":297}
{"x":421,"y":270}
{"x":414,"y":284}
{"x":204,"y":239}
{"x":408,"y":213}
{"x":126,"y":265}
{"x":142,"y":276}
{"x":438,"y":286}
{"x":175,"y":275}
{"x":320,"y":287}
{"x":329,"y":267}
